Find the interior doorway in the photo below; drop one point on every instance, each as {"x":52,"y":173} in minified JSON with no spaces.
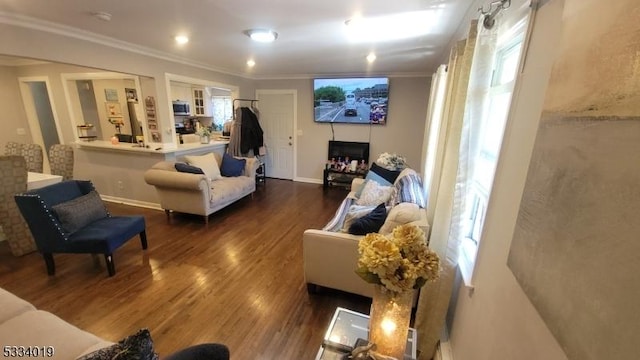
{"x":41,"y":115}
{"x":278,"y":110}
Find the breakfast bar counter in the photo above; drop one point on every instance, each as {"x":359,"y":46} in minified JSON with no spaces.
{"x":168,"y":152}
{"x":117,"y":170}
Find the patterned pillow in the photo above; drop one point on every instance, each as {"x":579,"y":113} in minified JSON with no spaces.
{"x":409,"y":188}
{"x":81,"y":211}
{"x":374,"y":194}
{"x":389,"y":175}
{"x":138,"y":346}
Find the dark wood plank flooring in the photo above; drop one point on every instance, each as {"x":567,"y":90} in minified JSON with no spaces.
{"x":237,"y":281}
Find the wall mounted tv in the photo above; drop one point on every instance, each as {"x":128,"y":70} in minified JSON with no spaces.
{"x":351,"y":100}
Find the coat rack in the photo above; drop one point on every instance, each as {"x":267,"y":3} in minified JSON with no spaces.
{"x":234,"y":105}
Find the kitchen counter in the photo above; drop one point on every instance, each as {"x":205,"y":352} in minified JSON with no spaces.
{"x":168,"y":152}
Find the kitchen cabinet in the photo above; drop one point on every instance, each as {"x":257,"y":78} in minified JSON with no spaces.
{"x":202,"y":105}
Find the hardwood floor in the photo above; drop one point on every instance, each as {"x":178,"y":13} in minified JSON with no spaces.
{"x":237,"y":281}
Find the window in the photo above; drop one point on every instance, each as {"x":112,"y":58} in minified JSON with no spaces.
{"x":222,"y":111}
{"x":487,"y":140}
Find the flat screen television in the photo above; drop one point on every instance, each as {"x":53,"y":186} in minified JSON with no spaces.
{"x":351,"y":100}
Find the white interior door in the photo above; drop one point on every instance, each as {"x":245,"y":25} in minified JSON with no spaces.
{"x":277,"y":118}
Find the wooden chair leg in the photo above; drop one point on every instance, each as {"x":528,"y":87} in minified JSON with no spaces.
{"x":206,"y":220}
{"x":111,"y":268}
{"x":143,"y":239}
{"x":51,"y":265}
{"x":168,"y":212}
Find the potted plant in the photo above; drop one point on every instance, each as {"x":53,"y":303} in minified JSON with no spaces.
{"x":205,"y":134}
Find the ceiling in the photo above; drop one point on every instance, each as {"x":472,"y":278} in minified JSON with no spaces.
{"x":312,"y":39}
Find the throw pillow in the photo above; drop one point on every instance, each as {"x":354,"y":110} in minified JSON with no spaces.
{"x":81,"y":211}
{"x":186,"y":168}
{"x":372,"y":176}
{"x":389,"y":175}
{"x":400,"y":214}
{"x":369,"y":223}
{"x":374,"y":194}
{"x":207,"y":163}
{"x":409,"y":188}
{"x":138,"y":346}
{"x":232,"y":166}
{"x":355,"y":212}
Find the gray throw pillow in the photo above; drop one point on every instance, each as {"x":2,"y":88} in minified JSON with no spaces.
{"x":81,"y":211}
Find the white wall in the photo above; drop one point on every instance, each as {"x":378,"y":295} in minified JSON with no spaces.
{"x":408,"y":100}
{"x":13,"y":115}
{"x":497,"y":320}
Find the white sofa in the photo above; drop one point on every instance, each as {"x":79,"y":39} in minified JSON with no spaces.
{"x":194,"y":193}
{"x":330,"y":258}
{"x":21,"y":324}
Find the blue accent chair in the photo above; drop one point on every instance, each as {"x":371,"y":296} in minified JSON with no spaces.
{"x":101,"y":236}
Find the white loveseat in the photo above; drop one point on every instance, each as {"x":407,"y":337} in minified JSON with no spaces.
{"x":195,"y":193}
{"x":330,"y":257}
{"x":21,"y":324}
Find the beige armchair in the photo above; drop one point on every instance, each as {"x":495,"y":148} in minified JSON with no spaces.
{"x":195,"y":193}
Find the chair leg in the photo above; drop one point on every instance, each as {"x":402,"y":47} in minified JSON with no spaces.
{"x":111,"y":268}
{"x":168,"y":212}
{"x":51,"y":266}
{"x":206,"y":219}
{"x":143,"y":239}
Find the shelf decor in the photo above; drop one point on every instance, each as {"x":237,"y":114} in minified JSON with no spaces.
{"x":397,"y":264}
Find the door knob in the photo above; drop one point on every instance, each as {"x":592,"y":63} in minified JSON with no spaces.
{"x":289,"y":137}
{"x":290,"y":144}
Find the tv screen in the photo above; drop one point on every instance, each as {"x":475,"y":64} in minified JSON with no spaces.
{"x":351,"y":100}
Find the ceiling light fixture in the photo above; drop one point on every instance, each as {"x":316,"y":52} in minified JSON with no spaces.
{"x":261,"y":35}
{"x":371,"y":57}
{"x":251,"y":63}
{"x":182,"y":39}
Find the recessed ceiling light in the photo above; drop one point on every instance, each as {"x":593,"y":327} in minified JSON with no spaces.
{"x":261,"y":35}
{"x":182,"y":39}
{"x":371,"y":57}
{"x":251,"y":63}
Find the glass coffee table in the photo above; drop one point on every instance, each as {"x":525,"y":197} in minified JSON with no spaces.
{"x":345,"y":328}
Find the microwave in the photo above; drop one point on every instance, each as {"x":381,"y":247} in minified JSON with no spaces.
{"x":181,"y":108}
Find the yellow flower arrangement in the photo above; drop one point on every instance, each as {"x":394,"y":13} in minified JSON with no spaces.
{"x":400,"y":261}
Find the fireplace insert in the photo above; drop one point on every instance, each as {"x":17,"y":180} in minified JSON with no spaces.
{"x":354,"y":150}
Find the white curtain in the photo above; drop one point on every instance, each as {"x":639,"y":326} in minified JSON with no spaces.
{"x":434,"y":297}
{"x":465,"y":111}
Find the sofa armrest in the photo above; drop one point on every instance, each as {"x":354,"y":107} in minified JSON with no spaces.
{"x":250,"y":166}
{"x":356,"y":182}
{"x":176,"y":180}
{"x":330,"y":260}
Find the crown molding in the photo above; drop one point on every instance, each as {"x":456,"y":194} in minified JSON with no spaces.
{"x":75,"y":33}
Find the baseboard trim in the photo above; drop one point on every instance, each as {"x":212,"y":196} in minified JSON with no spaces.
{"x":119,"y":200}
{"x":444,"y":351}
{"x":308,"y":180}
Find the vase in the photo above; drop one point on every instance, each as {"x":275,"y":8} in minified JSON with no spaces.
{"x":389,"y":321}
{"x":204,"y":139}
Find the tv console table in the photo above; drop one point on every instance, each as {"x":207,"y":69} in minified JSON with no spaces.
{"x":339,"y":178}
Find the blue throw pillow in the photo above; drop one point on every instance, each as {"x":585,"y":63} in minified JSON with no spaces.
{"x":186,"y":168}
{"x":369,"y":223}
{"x":232,"y":166}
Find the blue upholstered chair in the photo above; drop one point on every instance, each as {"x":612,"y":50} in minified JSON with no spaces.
{"x":70,"y":217}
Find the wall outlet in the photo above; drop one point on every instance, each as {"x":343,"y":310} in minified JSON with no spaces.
{"x":120,"y":185}
{"x":21,"y":131}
